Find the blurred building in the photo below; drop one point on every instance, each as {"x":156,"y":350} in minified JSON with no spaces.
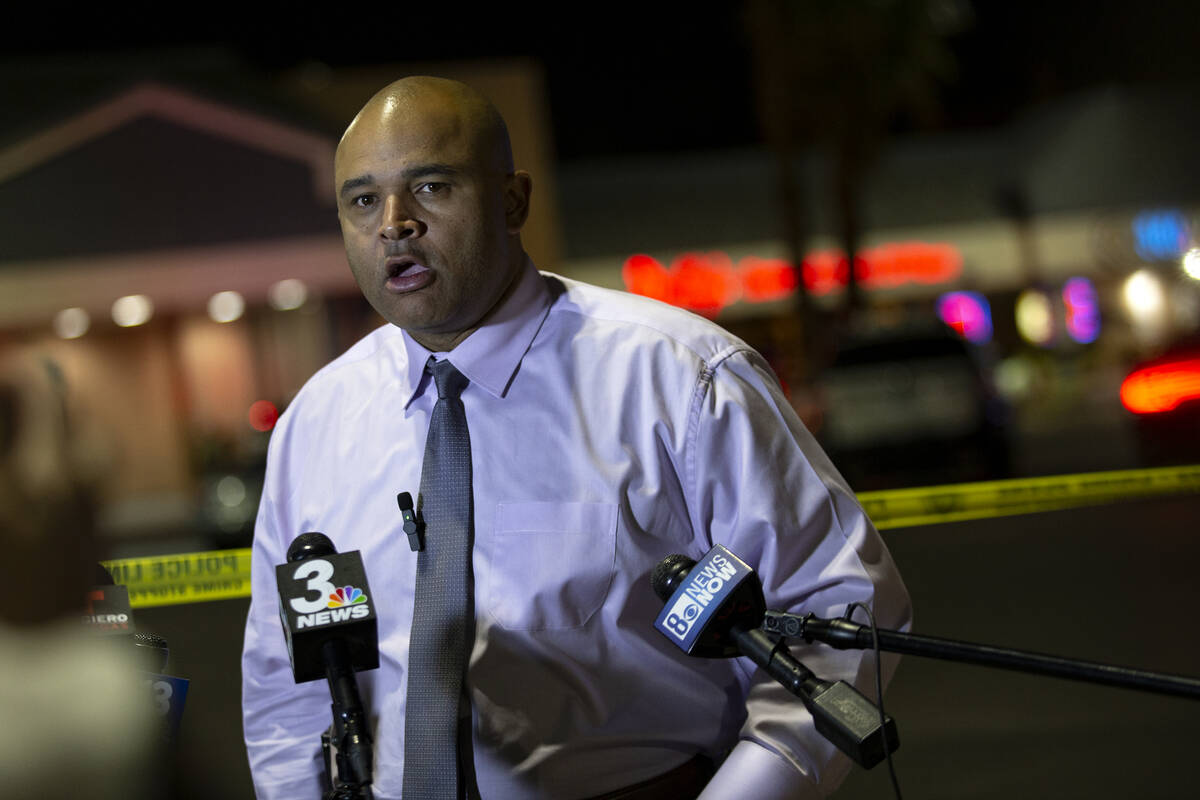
{"x":1053,"y":195}
{"x":176,"y":250}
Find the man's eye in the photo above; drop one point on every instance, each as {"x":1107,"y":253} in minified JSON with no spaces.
{"x":432,"y":187}
{"x":363,"y":201}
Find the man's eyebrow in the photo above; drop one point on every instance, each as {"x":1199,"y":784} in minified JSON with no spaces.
{"x":412,"y":173}
{"x":353,"y":183}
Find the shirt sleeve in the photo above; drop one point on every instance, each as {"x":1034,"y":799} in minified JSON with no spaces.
{"x":764,"y":488}
{"x":282,"y":720}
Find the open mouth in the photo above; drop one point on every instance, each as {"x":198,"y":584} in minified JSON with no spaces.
{"x":404,"y":266}
{"x":405,"y":273}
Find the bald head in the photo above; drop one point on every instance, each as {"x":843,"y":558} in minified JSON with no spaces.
{"x":455,"y":109}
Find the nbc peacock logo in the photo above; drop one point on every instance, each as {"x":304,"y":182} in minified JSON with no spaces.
{"x":346,"y":596}
{"x":342,"y":605}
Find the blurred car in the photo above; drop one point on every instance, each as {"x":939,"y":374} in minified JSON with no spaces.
{"x":912,"y":408}
{"x":1163,"y":395}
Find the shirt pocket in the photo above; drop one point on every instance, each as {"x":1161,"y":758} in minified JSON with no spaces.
{"x":551,"y":563}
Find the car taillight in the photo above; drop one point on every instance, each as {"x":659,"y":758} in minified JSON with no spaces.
{"x":1154,"y":389}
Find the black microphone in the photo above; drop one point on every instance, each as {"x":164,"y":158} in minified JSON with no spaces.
{"x":107,"y":611}
{"x":152,"y":652}
{"x":331,"y":635}
{"x":714,"y":609}
{"x":412,"y":526}
{"x":168,"y":692}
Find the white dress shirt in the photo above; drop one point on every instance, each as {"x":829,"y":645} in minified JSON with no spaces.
{"x":607,"y":432}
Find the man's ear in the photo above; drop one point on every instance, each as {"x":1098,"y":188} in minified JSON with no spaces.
{"x":517,"y":189}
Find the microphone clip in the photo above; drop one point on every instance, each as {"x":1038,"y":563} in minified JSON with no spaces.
{"x":412,"y":526}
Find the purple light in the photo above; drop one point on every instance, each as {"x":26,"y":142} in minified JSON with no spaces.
{"x":1083,"y":310}
{"x":968,"y":313}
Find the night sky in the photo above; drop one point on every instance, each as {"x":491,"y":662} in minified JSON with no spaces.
{"x":665,"y":71}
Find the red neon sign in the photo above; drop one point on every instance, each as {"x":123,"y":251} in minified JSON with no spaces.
{"x":766,"y":279}
{"x":883,"y":267}
{"x":708,"y":282}
{"x":704,"y":282}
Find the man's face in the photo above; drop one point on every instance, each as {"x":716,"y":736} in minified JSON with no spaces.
{"x":427,"y":219}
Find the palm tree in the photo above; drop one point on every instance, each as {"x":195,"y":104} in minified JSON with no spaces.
{"x":834,"y":74}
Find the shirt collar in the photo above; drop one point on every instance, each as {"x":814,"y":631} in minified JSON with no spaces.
{"x":489,"y":357}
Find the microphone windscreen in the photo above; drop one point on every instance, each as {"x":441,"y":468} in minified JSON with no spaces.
{"x":669,"y":573}
{"x":310,"y":545}
{"x":152,"y":652}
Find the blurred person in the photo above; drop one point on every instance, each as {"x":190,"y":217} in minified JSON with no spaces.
{"x":77,"y":719}
{"x":603,"y":431}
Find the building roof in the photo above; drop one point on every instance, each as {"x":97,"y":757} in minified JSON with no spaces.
{"x":156,"y":167}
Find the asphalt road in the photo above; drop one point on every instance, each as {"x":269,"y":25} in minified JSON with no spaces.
{"x":1113,"y":584}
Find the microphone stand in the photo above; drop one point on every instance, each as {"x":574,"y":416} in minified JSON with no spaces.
{"x":351,"y":733}
{"x":840,"y":713}
{"x":842,"y":634}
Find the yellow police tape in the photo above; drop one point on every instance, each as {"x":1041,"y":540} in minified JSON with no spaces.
{"x":904,"y":508}
{"x":184,"y":578}
{"x":224,"y":574}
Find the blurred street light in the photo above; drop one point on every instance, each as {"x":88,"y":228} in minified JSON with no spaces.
{"x":132,"y":310}
{"x":1035,"y":317}
{"x":71,"y":323}
{"x":1191,"y":263}
{"x":287,"y":294}
{"x":1144,"y":296}
{"x":226,"y":306}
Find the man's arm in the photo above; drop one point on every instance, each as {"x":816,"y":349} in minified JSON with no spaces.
{"x":282,"y":721}
{"x":761,"y":486}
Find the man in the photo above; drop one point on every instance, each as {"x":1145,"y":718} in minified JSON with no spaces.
{"x":605,"y":432}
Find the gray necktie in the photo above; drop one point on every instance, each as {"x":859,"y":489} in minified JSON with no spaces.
{"x":438,"y":713}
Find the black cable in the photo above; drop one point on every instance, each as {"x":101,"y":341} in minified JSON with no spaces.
{"x":878,"y":691}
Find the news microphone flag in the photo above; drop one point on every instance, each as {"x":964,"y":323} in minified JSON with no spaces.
{"x":719,"y":590}
{"x":323,"y":595}
{"x":106,"y":610}
{"x":168,"y":695}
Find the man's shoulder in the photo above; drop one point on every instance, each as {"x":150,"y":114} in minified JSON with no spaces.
{"x":356,"y":366}
{"x":621,"y":315}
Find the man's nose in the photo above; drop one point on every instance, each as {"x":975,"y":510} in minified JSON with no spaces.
{"x":397,"y":222}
